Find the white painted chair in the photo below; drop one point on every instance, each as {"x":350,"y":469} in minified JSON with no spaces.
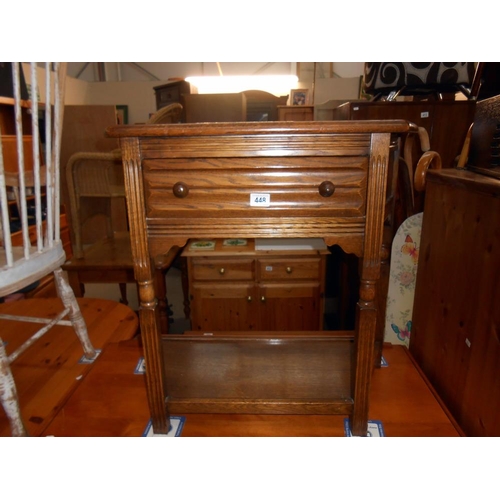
{"x":34,"y":249}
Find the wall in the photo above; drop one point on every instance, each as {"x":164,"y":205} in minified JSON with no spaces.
{"x":75,"y":92}
{"x":139,"y":95}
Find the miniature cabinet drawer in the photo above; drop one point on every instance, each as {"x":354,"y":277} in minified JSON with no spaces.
{"x":222,"y":269}
{"x":289,"y":269}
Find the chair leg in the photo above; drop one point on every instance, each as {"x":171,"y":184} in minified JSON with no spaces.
{"x":123,"y":293}
{"x":69,"y":300}
{"x":8,"y":395}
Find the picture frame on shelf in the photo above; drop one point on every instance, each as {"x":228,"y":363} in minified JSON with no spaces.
{"x":299,"y":97}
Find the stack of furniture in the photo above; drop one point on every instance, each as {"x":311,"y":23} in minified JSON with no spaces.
{"x":249,"y":105}
{"x":424,"y":94}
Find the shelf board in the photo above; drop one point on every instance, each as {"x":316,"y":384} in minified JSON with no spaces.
{"x":11,"y":101}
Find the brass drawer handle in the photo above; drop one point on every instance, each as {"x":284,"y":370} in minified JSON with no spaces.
{"x":180,"y":190}
{"x":249,"y":298}
{"x":326,"y":189}
{"x":222,"y":270}
{"x":289,"y":270}
{"x":263,"y":299}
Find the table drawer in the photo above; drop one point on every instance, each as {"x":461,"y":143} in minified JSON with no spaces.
{"x":289,"y":269}
{"x":202,"y":188}
{"x":213,"y":269}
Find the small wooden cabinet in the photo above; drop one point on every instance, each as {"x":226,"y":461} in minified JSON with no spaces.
{"x":296,"y":113}
{"x":260,"y":286}
{"x":171,"y":92}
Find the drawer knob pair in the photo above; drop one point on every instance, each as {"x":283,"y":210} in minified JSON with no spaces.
{"x":326,"y":189}
{"x":262,"y":299}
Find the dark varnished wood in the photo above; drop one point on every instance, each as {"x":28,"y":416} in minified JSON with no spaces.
{"x":266,"y":373}
{"x":49,"y":372}
{"x":225,"y":162}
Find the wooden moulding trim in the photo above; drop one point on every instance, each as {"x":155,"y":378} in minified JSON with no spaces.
{"x":465,"y":180}
{"x":298,"y":335}
{"x":250,"y":128}
{"x":261,"y":406}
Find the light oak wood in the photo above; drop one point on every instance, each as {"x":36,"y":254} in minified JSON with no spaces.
{"x":49,"y":371}
{"x":244,"y":288}
{"x":455,"y":336}
{"x":112,"y":401}
{"x":179,"y":184}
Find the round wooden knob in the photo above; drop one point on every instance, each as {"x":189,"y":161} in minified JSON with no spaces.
{"x":326,"y":189}
{"x":289,"y":270}
{"x":263,"y":299}
{"x":222,"y":270}
{"x":180,"y":190}
{"x":249,"y":298}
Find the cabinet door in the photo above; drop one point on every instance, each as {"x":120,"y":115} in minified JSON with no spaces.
{"x":227,"y":306}
{"x":289,"y":307}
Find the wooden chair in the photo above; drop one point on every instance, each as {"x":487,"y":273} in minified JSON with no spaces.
{"x":172,"y":113}
{"x":41,"y":251}
{"x":98,"y":177}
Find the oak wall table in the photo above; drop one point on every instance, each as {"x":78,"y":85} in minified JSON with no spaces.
{"x":258,"y":180}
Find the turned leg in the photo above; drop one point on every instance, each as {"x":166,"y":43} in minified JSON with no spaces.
{"x":8,"y":395}
{"x":75,"y":315}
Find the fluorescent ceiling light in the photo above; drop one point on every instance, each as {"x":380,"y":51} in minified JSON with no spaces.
{"x":275,"y":84}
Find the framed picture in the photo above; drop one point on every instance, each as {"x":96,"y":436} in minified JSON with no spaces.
{"x":299,"y":97}
{"x":121,"y":114}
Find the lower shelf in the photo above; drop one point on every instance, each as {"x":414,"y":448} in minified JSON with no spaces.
{"x":294,"y":373}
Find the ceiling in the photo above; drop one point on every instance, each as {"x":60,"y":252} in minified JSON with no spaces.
{"x":161,"y":71}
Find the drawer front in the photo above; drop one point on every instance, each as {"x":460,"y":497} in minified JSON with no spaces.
{"x":212,"y":269}
{"x":203,"y":187}
{"x":289,"y":269}
{"x":167,"y":96}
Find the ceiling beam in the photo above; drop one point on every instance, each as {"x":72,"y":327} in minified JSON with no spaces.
{"x":142,"y":70}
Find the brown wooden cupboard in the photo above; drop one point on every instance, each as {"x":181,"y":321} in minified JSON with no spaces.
{"x":456,"y":317}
